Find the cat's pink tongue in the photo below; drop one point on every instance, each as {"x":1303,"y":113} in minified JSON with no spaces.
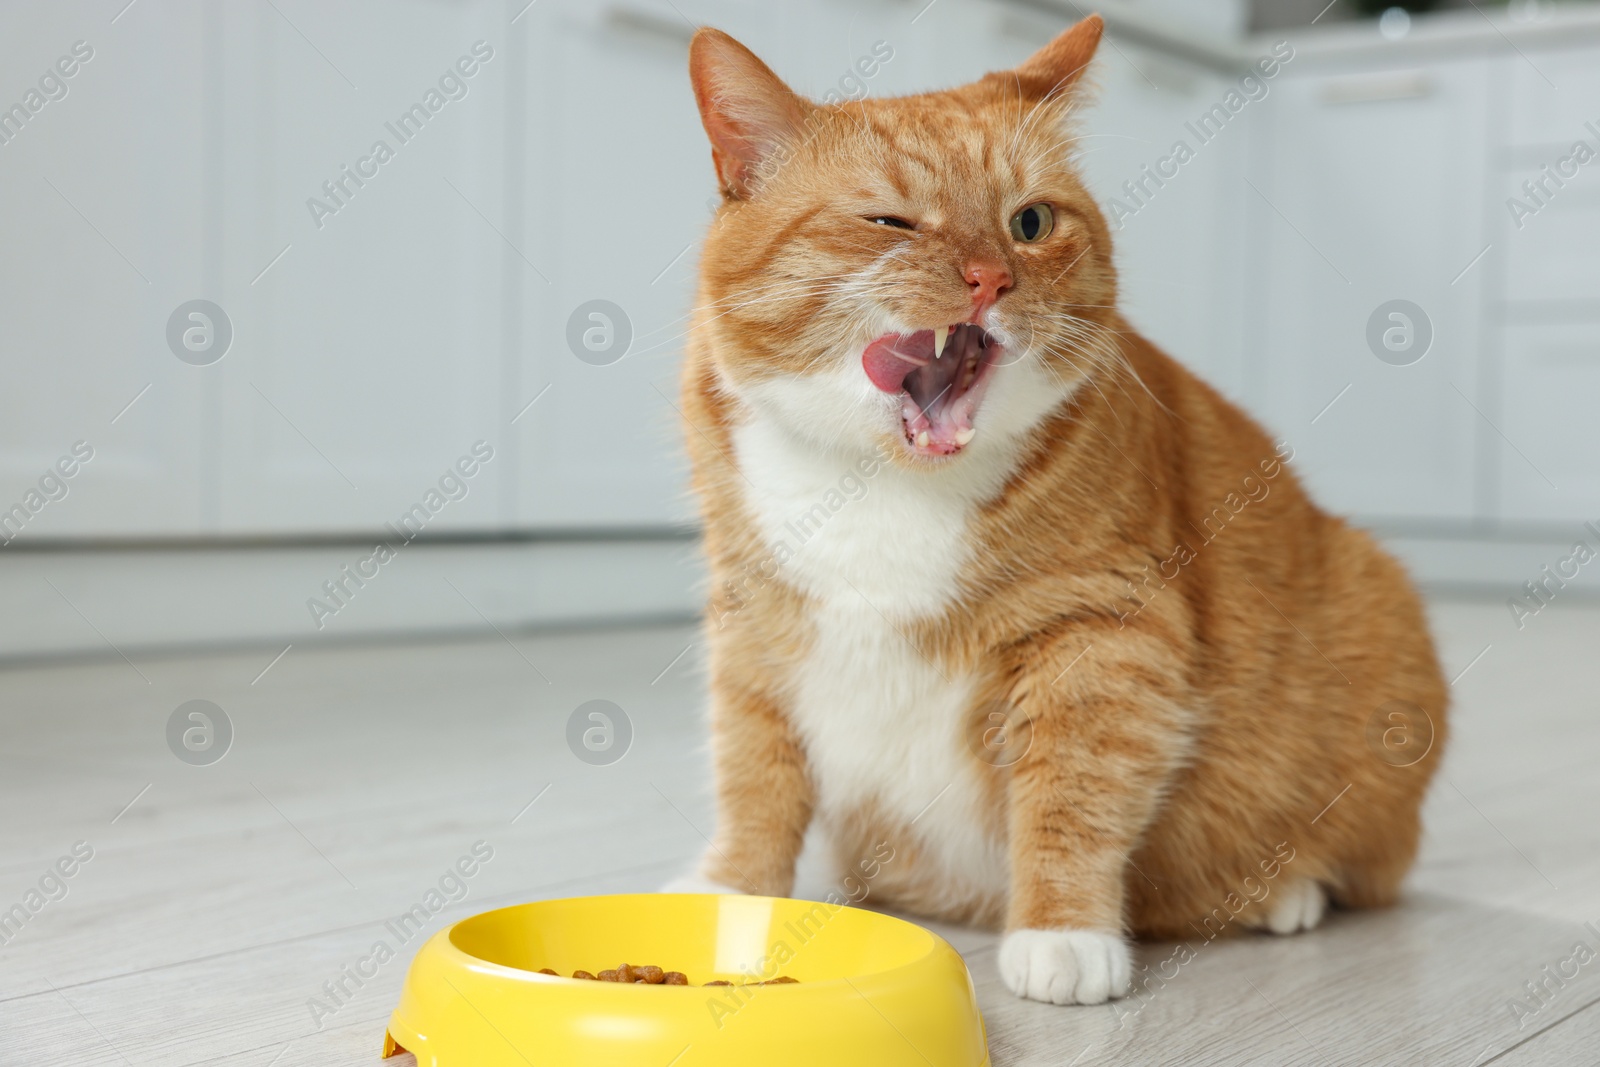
{"x":891,"y":357}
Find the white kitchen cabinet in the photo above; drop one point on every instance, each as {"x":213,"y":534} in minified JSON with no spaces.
{"x":103,"y":236}
{"x":1547,"y":459}
{"x":367,"y":359}
{"x":1369,"y":188}
{"x":1542,"y":455}
{"x":366,"y":352}
{"x":371,"y":351}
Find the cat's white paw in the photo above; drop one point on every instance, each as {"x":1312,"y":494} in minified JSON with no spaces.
{"x":695,"y":883}
{"x":1065,"y":966}
{"x":1296,"y":906}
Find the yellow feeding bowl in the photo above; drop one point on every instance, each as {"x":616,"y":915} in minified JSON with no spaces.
{"x":869,"y":989}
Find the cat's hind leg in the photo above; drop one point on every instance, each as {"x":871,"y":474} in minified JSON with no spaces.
{"x":1295,"y":905}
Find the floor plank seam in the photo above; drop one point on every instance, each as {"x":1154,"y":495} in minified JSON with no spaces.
{"x":1541,"y":1032}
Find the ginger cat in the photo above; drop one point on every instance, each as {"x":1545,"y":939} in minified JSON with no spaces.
{"x":996,"y":583}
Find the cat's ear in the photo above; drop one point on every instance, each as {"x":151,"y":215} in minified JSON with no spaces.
{"x":1053,"y":69}
{"x":748,"y":113}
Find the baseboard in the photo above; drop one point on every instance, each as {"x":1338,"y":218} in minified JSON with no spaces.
{"x":103,"y":600}
{"x":1500,"y":568}
{"x":110,"y":600}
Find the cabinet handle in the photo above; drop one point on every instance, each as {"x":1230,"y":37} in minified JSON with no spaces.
{"x":1412,"y":85}
{"x":639,"y":20}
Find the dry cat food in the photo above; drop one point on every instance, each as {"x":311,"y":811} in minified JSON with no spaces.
{"x":649,"y":974}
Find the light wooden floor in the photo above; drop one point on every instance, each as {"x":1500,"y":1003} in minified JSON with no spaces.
{"x":221,"y":900}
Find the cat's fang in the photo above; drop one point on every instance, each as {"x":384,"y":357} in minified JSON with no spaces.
{"x":922,"y":438}
{"x":964,"y":437}
{"x":941,"y":334}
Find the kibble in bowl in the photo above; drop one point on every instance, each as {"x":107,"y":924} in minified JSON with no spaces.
{"x":649,"y":974}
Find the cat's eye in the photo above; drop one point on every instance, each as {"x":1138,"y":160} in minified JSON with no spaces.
{"x":890,"y":220}
{"x":1033,"y":223}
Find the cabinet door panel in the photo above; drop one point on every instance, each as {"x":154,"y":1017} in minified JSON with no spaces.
{"x":1554,"y":254}
{"x":368,"y":357}
{"x":1547,"y":460}
{"x":104,"y":182}
{"x":1360,"y":201}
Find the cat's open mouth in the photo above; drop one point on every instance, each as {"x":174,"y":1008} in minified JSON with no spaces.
{"x":943,"y":374}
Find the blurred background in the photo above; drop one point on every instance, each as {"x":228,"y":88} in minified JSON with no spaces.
{"x":374,"y":329}
{"x":340,"y":345}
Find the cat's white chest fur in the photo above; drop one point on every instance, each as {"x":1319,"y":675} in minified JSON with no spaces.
{"x":883,"y":726}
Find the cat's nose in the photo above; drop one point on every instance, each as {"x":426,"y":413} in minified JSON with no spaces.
{"x":988,"y":279}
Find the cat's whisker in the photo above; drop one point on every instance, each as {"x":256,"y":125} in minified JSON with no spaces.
{"x":1085,"y":374}
{"x":1117,"y":364}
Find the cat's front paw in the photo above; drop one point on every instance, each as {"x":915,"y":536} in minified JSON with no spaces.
{"x":696,"y":883}
{"x":1065,"y":966}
